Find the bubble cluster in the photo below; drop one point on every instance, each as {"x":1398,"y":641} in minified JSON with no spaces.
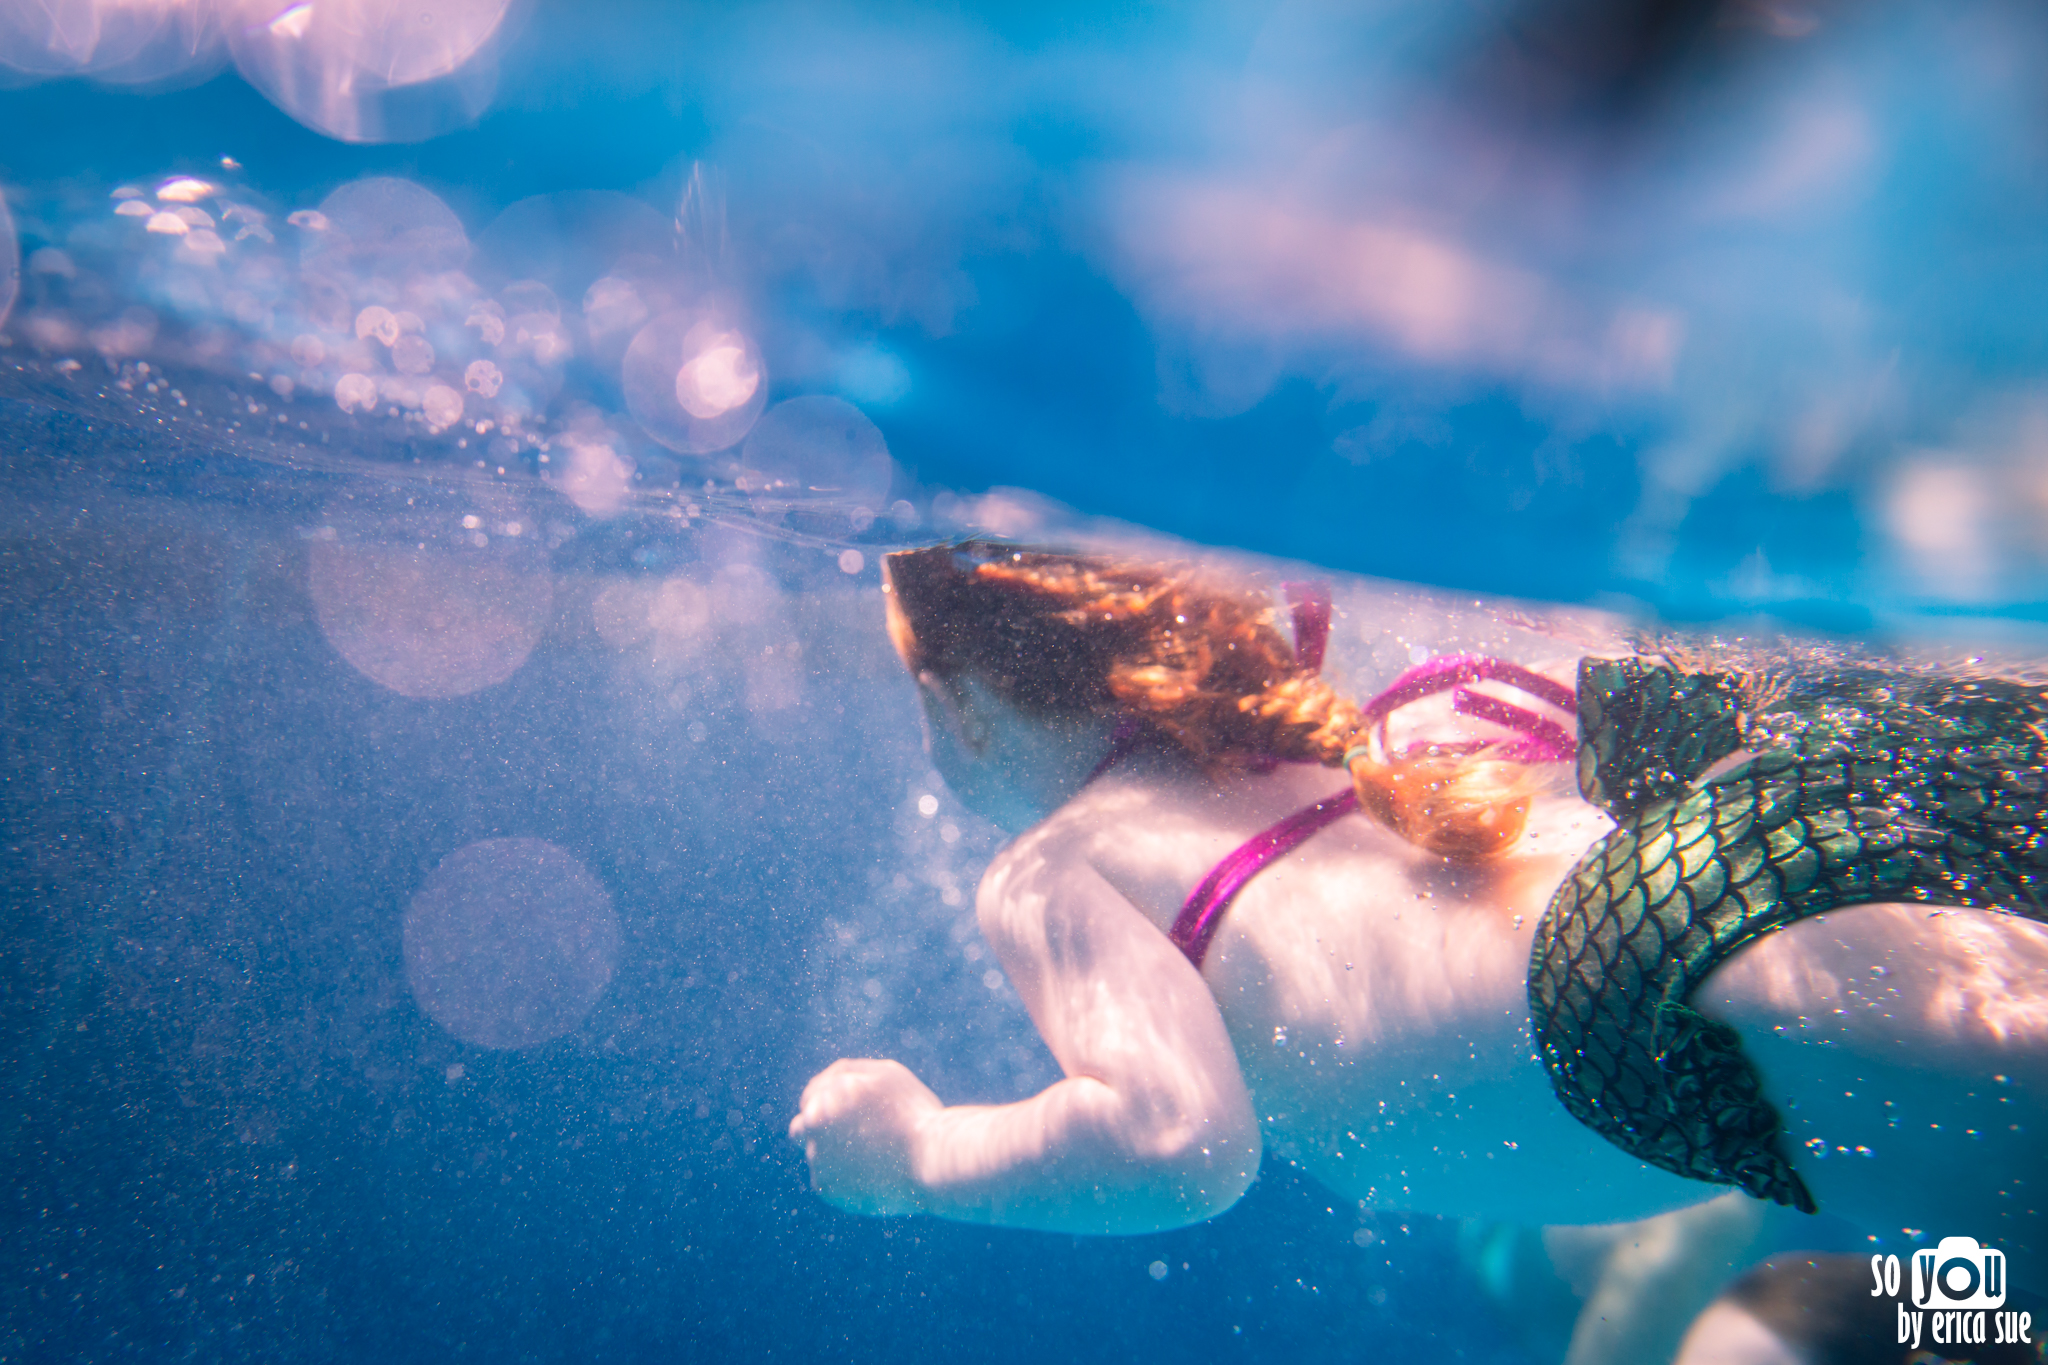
{"x":380,"y":305}
{"x":911,"y":972}
{"x":367,"y":299}
{"x":510,"y":943}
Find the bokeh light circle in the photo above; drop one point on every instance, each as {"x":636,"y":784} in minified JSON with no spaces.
{"x":819,"y":444}
{"x":695,"y":382}
{"x":569,"y":239}
{"x":368,"y":70}
{"x":510,"y":942}
{"x":10,"y":261}
{"x":382,"y":226}
{"x":126,"y":42}
{"x":591,"y":468}
{"x":431,"y":591}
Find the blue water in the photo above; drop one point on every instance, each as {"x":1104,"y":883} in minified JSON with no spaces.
{"x":232,"y":1131}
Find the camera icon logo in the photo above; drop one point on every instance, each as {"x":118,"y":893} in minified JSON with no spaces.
{"x":1958,"y":1273}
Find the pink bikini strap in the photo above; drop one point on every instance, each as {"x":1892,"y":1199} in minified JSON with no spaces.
{"x":1202,"y":915}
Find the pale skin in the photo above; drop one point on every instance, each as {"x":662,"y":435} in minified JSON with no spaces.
{"x":1364,"y":1004}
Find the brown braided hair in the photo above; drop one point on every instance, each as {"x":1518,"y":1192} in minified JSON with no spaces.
{"x":1192,"y":654}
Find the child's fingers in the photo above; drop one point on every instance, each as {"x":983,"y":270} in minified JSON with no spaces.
{"x":834,"y":1091}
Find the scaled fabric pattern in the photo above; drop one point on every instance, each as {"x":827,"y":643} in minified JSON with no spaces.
{"x":1869,"y":783}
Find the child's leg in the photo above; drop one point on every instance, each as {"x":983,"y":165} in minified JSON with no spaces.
{"x":1616,"y":1293}
{"x":1511,"y":1266}
{"x":1643,"y":1283}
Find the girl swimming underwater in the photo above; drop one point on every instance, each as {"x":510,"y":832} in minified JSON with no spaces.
{"x":1784,"y":938}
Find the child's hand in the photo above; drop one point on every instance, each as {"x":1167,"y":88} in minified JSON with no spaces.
{"x":858,"y":1122}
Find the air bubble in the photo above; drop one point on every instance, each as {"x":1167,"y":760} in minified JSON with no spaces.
{"x":377,"y":321}
{"x":442,"y":406}
{"x":355,"y":393}
{"x":482,"y":377}
{"x":184,"y":189}
{"x":413,"y":355}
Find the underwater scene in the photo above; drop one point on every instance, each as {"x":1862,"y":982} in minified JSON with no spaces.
{"x":1344,"y":680}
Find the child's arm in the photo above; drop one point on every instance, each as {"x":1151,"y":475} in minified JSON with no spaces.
{"x":1152,"y":1127}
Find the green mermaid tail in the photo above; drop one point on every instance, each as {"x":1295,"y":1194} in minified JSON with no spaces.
{"x":1869,"y":784}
